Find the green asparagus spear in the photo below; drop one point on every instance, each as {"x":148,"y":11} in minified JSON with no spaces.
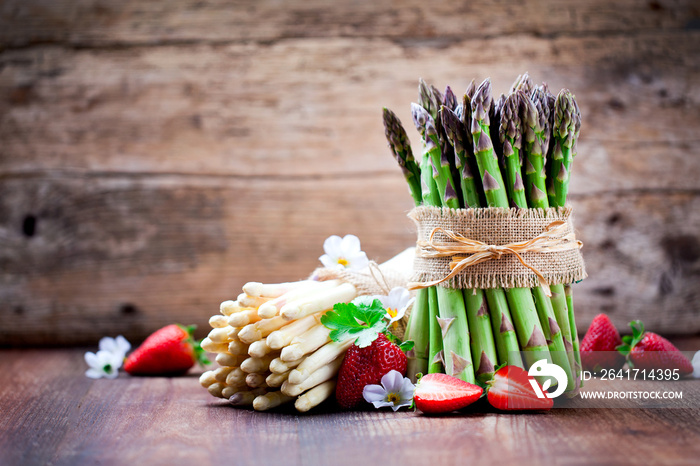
{"x":449,"y":99}
{"x":522,"y":83}
{"x":436,"y":358}
{"x":439,"y":160}
{"x":574,"y":334}
{"x":510,"y":134}
{"x":553,"y":311}
{"x":519,"y":117}
{"x":565,"y":131}
{"x":401,"y":148}
{"x":483,"y":348}
{"x":495,"y":305}
{"x":522,"y":306}
{"x":495,"y":116}
{"x":453,"y":319}
{"x":418,"y":322}
{"x":567,"y":123}
{"x":429,"y":98}
{"x":457,"y":137}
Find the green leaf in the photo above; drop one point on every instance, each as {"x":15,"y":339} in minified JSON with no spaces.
{"x":407,"y":345}
{"x":624,"y":349}
{"x":348,"y":320}
{"x":199,"y":354}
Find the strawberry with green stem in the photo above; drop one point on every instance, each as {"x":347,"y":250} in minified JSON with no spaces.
{"x":170,"y":350}
{"x":649,"y":351}
{"x":373,"y":354}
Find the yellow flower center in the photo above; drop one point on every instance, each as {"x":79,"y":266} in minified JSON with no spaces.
{"x":392,"y":312}
{"x":393,"y":398}
{"x":342,"y":261}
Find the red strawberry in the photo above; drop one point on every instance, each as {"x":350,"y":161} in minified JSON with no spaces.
{"x":510,"y":390}
{"x":364,"y":366}
{"x":647,"y":350}
{"x":170,"y":350}
{"x":442,"y":393}
{"x":599,"y":346}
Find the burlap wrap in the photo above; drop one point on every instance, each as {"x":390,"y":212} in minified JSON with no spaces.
{"x":497,"y":226}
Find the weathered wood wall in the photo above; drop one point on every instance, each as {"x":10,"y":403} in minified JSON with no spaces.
{"x":154,"y":156}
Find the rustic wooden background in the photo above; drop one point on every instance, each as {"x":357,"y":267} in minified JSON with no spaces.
{"x":154,"y":156}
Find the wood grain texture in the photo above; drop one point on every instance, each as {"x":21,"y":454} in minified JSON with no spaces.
{"x":53,"y":414}
{"x":112,"y":22}
{"x":157,"y":156}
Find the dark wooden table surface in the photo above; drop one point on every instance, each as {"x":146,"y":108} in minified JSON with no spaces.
{"x":52,"y":414}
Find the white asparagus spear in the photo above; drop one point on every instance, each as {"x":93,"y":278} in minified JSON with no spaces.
{"x":237,"y":347}
{"x":242,"y":318}
{"x":218,"y":321}
{"x":257,"y":365}
{"x":315,"y":396}
{"x":270,"y":400}
{"x":228,"y":391}
{"x":258,"y":349}
{"x":279,"y":367}
{"x":272,"y":290}
{"x":272,"y":307}
{"x":233,"y":332}
{"x":215,"y":389}
{"x":221,"y":373}
{"x":249,"y":301}
{"x":246,"y":397}
{"x":319,"y":376}
{"x":284,"y":336}
{"x":325,"y":300}
{"x":236,"y":377}
{"x":207,"y":378}
{"x":229,"y":307}
{"x":208,"y":345}
{"x":306,"y":343}
{"x":228,"y":359}
{"x":276,"y":380}
{"x":219,"y":335}
{"x":255,"y":380}
{"x":261,"y":329}
{"x":319,"y":358}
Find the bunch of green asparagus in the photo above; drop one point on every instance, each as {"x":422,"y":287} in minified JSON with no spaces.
{"x":516,"y":151}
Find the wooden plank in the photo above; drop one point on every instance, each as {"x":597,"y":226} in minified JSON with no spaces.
{"x":70,"y":419}
{"x":110,"y":22}
{"x":111,"y":256}
{"x":642,"y":252}
{"x":122,"y":256}
{"x":312,"y":107}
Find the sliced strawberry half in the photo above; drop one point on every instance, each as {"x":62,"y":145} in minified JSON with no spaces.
{"x":442,"y":393}
{"x":510,"y":390}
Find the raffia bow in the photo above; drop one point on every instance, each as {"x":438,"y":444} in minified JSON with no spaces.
{"x":547,"y":241}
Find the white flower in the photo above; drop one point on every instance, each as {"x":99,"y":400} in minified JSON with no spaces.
{"x":103,"y":364}
{"x":117,"y":345}
{"x":395,"y":391}
{"x":696,"y":365}
{"x":396,"y":304}
{"x":343,"y":253}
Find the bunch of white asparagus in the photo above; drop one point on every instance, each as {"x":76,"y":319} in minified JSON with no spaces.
{"x":272,"y":348}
